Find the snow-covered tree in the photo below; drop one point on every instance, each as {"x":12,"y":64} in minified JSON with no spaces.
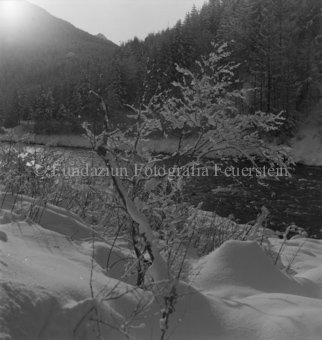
{"x":207,"y":109}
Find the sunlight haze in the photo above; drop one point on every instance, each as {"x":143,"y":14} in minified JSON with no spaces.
{"x":120,"y":20}
{"x":10,"y":12}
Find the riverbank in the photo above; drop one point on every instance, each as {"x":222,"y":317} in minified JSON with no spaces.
{"x":69,"y":141}
{"x":166,"y":145}
{"x":306,"y":145}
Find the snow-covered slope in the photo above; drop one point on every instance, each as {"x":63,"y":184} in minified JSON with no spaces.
{"x":50,"y":288}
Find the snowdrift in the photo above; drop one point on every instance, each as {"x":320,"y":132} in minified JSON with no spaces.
{"x":54,"y":285}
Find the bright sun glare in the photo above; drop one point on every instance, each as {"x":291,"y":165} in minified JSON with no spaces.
{"x":10,"y":10}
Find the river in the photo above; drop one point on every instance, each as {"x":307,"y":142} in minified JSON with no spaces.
{"x":296,"y":199}
{"x":290,"y":200}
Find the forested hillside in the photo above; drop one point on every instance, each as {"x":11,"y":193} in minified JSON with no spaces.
{"x":40,"y":61}
{"x":278,"y":44}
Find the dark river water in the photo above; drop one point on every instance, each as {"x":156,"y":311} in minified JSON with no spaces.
{"x":290,"y":200}
{"x":296,"y":199}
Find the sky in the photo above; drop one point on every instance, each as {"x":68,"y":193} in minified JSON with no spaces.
{"x":120,"y":20}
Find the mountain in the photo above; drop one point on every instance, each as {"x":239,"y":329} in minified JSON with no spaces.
{"x":33,"y":49}
{"x":102,"y":36}
{"x":47,"y":65}
{"x":31,"y":23}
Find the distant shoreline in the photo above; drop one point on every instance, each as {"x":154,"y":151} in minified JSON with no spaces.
{"x":68,"y":141}
{"x":80,"y":142}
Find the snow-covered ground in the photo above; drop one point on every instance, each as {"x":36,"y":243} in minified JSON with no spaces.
{"x":53,"y":288}
{"x":70,"y":141}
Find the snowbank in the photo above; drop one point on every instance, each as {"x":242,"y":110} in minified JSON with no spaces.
{"x":54,"y":285}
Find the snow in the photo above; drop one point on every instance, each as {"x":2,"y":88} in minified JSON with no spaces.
{"x":54,"y":285}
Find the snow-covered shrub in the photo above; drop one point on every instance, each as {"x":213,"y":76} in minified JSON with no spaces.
{"x":206,"y":108}
{"x":19,"y":166}
{"x":42,"y":173}
{"x":147,"y":206}
{"x":209,"y":109}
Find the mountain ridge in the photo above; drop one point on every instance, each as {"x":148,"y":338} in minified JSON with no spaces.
{"x":37,"y":19}
{"x":101,"y":36}
{"x":33,"y":48}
